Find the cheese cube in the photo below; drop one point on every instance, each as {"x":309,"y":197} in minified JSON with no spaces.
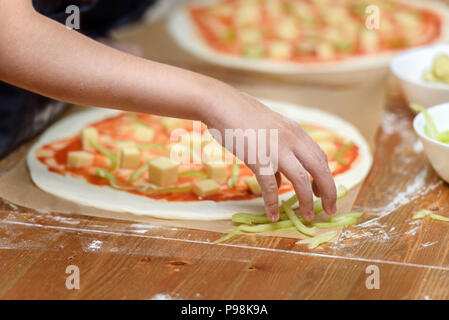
{"x":280,"y":50}
{"x":88,"y":135}
{"x":163,"y":172}
{"x":179,"y":153}
{"x":171,"y":124}
{"x":143,"y":133}
{"x":217,"y":171}
{"x":205,"y":188}
{"x":329,"y":148}
{"x":128,"y":157}
{"x":325,"y":51}
{"x":78,"y":159}
{"x":369,"y":41}
{"x":253,"y":185}
{"x":287,"y":29}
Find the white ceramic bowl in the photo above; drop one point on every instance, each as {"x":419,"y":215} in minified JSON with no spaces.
{"x":437,"y":152}
{"x":409,"y":68}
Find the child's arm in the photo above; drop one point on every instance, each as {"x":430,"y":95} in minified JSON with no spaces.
{"x":41,"y":55}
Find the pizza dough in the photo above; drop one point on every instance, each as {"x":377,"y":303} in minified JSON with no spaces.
{"x":80,"y":191}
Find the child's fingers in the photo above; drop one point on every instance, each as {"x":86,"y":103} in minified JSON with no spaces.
{"x":269,"y":187}
{"x":315,"y":162}
{"x":299,"y":177}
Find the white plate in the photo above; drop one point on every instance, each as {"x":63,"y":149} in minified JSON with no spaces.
{"x":80,"y":191}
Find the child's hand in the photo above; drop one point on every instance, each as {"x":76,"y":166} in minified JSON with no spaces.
{"x":295,"y":155}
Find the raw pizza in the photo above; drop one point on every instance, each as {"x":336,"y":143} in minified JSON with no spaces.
{"x":131,"y":162}
{"x":276,"y":34}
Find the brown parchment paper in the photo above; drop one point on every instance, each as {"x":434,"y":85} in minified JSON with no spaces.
{"x":359,"y":103}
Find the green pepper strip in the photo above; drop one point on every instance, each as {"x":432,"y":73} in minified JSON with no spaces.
{"x":155,"y":146}
{"x":341,"y":152}
{"x":424,"y":213}
{"x":337,"y":223}
{"x":266,"y":226}
{"x":228,"y":236}
{"x":297,"y":222}
{"x":319,"y":239}
{"x":429,"y":121}
{"x":193,"y":174}
{"x":107,"y":175}
{"x":247,"y":218}
{"x":138,"y":172}
{"x":108,"y":153}
{"x":235,"y":170}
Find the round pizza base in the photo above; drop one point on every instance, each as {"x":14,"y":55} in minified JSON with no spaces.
{"x":80,"y":191}
{"x":185,"y":33}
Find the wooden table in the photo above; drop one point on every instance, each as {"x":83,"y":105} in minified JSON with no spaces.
{"x":124,"y":260}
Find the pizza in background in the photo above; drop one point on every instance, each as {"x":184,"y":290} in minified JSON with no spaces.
{"x":312,"y":30}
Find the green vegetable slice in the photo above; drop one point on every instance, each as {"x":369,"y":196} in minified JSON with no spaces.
{"x":112,"y":156}
{"x":266,"y":227}
{"x":432,"y":128}
{"x":336,"y":223}
{"x":342,"y":151}
{"x":319,"y":239}
{"x":107,"y":175}
{"x":228,"y":236}
{"x":193,"y":174}
{"x":248,"y":218}
{"x":421,"y":214}
{"x":138,"y":172}
{"x":297,"y":222}
{"x":235,"y":170}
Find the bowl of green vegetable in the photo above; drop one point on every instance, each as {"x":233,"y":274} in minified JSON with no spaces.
{"x":432,"y":128}
{"x":423,"y":74}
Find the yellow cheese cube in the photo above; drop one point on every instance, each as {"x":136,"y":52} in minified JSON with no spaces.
{"x":325,"y":51}
{"x":78,"y":159}
{"x":88,"y":135}
{"x":129,"y":157}
{"x":179,"y":153}
{"x":171,"y":124}
{"x":205,"y":188}
{"x":217,"y":171}
{"x":163,"y":172}
{"x":280,"y":49}
{"x":253,"y":185}
{"x":369,"y":40}
{"x":143,"y":133}
{"x":329,"y":148}
{"x":287,"y":29}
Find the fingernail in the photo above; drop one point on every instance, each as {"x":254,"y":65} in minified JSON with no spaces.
{"x":274,"y":216}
